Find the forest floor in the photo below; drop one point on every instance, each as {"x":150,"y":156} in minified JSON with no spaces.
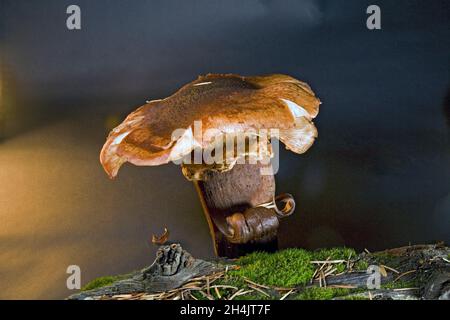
{"x":406,"y":273}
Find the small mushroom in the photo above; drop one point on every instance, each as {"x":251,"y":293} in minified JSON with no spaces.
{"x":233,"y":194}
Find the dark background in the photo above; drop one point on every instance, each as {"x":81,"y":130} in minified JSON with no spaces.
{"x":377,"y":177}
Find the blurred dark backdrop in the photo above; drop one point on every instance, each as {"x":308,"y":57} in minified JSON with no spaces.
{"x":377,"y":177}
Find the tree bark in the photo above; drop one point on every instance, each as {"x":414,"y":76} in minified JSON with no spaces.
{"x":421,"y":272}
{"x":172,"y":267}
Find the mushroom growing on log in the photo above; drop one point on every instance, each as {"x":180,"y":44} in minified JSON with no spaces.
{"x":237,"y":192}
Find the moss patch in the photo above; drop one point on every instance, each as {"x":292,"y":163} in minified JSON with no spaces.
{"x":104,"y":281}
{"x":355,"y":297}
{"x":266,"y":276}
{"x":316,"y":293}
{"x":287,"y":268}
{"x":383,"y":258}
{"x":401,"y":284}
{"x":290,"y":268}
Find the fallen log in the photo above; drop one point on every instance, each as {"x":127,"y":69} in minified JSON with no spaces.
{"x":407,"y":273}
{"x":172,"y":267}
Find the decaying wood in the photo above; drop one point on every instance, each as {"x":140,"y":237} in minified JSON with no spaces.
{"x":421,"y":272}
{"x":426,"y":266}
{"x":408,"y":294}
{"x":172,"y":267}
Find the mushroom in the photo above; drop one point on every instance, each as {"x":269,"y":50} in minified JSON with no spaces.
{"x":239,"y":201}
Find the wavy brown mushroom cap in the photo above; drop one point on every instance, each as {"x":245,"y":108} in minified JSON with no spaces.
{"x":226,"y":103}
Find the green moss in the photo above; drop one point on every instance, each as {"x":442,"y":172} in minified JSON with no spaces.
{"x":290,"y":268}
{"x":335,"y":254}
{"x":232,"y":279}
{"x":385,"y":259}
{"x":317,"y":293}
{"x":287,"y":268}
{"x":252,"y":296}
{"x":198,"y":295}
{"x":361,"y":265}
{"x":355,"y":297}
{"x":103,"y":282}
{"x":401,"y":284}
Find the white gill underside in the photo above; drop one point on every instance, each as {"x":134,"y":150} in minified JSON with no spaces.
{"x":297,"y":139}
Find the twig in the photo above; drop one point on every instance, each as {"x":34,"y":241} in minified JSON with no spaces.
{"x":216,"y":289}
{"x":330,"y":272}
{"x":192,"y":296}
{"x":287,"y":294}
{"x":327,"y":261}
{"x":241,"y":292}
{"x":224,"y":286}
{"x":282,"y":289}
{"x":191,"y":284}
{"x":342,"y":286}
{"x":348,"y":260}
{"x":404,"y":274}
{"x":255,"y":284}
{"x":207,"y":296}
{"x":259,"y":290}
{"x":405,"y":289}
{"x":389,"y":268}
{"x":314,"y":275}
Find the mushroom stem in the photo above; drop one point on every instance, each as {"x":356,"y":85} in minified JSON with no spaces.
{"x":241,"y":209}
{"x":257,"y":224}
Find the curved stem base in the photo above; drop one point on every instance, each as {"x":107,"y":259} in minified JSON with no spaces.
{"x":231,"y":203}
